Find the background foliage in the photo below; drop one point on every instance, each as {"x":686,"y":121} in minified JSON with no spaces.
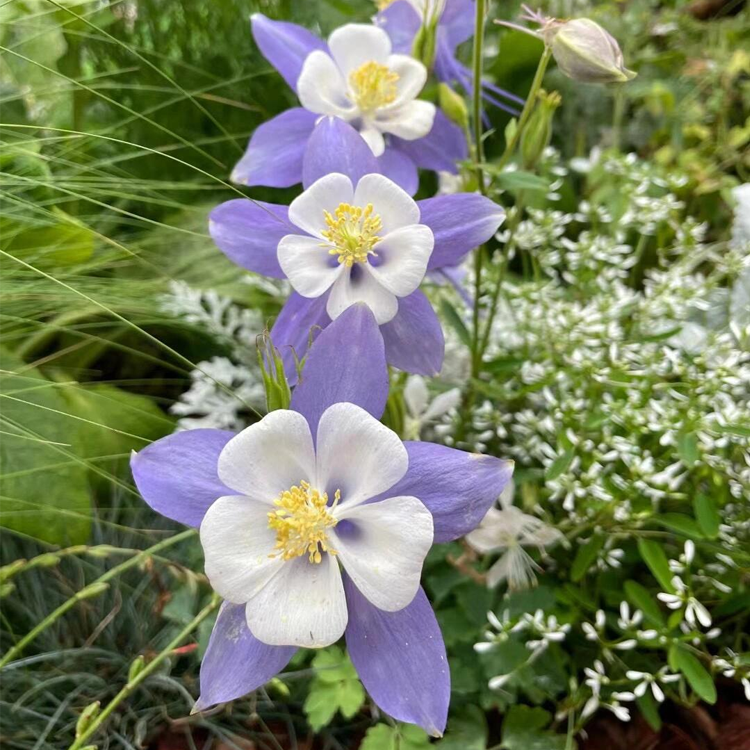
{"x":119,"y":124}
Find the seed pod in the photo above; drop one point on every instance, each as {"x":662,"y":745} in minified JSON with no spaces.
{"x":585,"y":52}
{"x":136,"y":667}
{"x":537,"y":133}
{"x":87,"y":716}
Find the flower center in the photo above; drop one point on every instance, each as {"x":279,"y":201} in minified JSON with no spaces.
{"x":352,"y":233}
{"x":300,"y":522}
{"x":383,"y":4}
{"x":373,"y":86}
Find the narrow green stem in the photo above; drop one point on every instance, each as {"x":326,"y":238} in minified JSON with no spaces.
{"x":527,"y":108}
{"x":87,"y":592}
{"x":144,"y":673}
{"x":478,"y":52}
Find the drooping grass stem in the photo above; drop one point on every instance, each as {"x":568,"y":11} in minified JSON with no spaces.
{"x":133,"y":683}
{"x":93,"y":589}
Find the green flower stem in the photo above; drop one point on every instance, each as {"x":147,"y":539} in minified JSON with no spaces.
{"x":478,"y":153}
{"x":527,"y":108}
{"x":87,"y":592}
{"x":132,"y":684}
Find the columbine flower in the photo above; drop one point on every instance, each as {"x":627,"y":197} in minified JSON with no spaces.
{"x":583,"y":50}
{"x":509,"y":530}
{"x":354,"y":235}
{"x":421,"y":409}
{"x":646,"y":680}
{"x":361,"y":82}
{"x":694,"y":610}
{"x":315,"y":522}
{"x":354,"y":77}
{"x":404,"y":19}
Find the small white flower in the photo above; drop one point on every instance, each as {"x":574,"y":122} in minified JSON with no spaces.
{"x":363,"y":243}
{"x":421,"y":409}
{"x":695,"y":612}
{"x":626,"y":621}
{"x":360,"y":81}
{"x":646,"y":681}
{"x":509,"y":529}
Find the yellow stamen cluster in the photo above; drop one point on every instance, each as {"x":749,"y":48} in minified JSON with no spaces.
{"x":352,"y":233}
{"x":373,"y":86}
{"x":301,"y":521}
{"x":383,"y":4}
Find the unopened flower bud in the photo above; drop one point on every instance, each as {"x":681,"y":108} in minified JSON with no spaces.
{"x":585,"y":52}
{"x":537,"y":133}
{"x":87,"y":716}
{"x":453,"y":104}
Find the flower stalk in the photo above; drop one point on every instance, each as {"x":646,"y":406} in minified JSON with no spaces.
{"x":132,"y":684}
{"x":93,"y":589}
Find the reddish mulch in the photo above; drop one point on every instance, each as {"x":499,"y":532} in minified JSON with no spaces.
{"x":725,"y":726}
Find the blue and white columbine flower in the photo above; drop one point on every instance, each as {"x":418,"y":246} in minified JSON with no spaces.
{"x":355,"y":77}
{"x":361,"y":82}
{"x":354,"y":236}
{"x":315,"y":523}
{"x":453,"y":22}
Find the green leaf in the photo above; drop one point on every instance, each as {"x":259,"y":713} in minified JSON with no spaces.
{"x":336,"y":687}
{"x":118,"y":421}
{"x":401,"y":737}
{"x":653,"y":555}
{"x":560,"y":465}
{"x":454,"y":320}
{"x":704,"y":507}
{"x":731,"y":429}
{"x":44,"y":490}
{"x":520,"y":180}
{"x":466,"y":731}
{"x":695,"y":673}
{"x":585,"y":556}
{"x":639,"y":597}
{"x":650,"y":710}
{"x":679,"y":523}
{"x":687,"y":449}
{"x":523,"y":729}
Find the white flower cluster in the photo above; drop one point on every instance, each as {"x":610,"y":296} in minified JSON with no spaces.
{"x":639,"y":383}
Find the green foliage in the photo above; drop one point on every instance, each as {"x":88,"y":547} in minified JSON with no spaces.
{"x":44,"y":484}
{"x":524,"y":729}
{"x":399,"y":737}
{"x":336,"y":687}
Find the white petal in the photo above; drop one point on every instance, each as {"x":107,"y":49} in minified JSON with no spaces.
{"x":402,"y":258}
{"x":443,"y":403}
{"x":412,"y":76}
{"x":658,"y":692}
{"x":411,"y":121}
{"x":307,"y":211}
{"x":311,"y":270}
{"x":237,"y":544}
{"x":373,"y":138}
{"x":357,"y":455}
{"x":416,"y":395}
{"x":269,"y":457}
{"x":395,"y":207}
{"x":355,"y":44}
{"x":516,"y":567}
{"x":384,"y":552}
{"x":303,"y":605}
{"x":321,"y":88}
{"x":359,"y":285}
